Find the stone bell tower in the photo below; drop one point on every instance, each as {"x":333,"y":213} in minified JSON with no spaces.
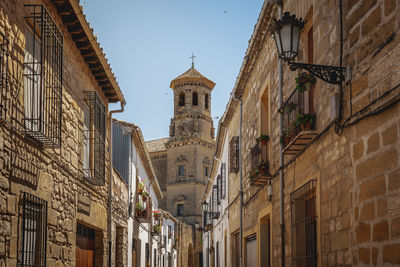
{"x":190,"y":146}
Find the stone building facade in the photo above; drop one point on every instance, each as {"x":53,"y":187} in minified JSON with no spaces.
{"x":344,"y":181}
{"x":53,"y":182}
{"x":183,"y":160}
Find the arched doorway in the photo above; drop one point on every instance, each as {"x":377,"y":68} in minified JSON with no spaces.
{"x":190,"y":256}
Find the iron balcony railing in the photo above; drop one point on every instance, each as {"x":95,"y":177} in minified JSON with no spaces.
{"x":259,"y":164}
{"x":296,"y":110}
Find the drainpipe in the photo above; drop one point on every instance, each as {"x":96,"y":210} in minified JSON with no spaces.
{"x":281,"y":160}
{"x":109,"y":219}
{"x":241,"y":183}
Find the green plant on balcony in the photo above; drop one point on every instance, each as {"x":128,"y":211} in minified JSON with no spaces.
{"x":263,"y":168}
{"x":156,"y":229}
{"x":304,"y":81}
{"x":263,"y":139}
{"x":253,"y":174}
{"x":305,"y":121}
{"x":145,"y":195}
{"x":139,"y":208}
{"x":289,"y":107}
{"x":140,"y":188}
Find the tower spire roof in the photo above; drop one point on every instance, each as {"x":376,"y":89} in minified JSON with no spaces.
{"x":192,"y":75}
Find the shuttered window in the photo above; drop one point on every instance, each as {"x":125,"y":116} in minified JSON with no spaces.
{"x":223,"y":180}
{"x":219,"y":189}
{"x":234,"y":154}
{"x":215,"y":202}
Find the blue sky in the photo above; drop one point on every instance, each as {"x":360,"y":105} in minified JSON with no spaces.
{"x":149,"y":42}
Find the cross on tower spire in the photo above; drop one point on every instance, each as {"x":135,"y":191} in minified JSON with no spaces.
{"x":192,"y":57}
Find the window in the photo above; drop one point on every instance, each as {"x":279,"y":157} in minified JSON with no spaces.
{"x":205,"y":171}
{"x":181,"y":99}
{"x":169,"y":231}
{"x":223,"y":180}
{"x":43,"y":77}
{"x":3,"y":76}
{"x":34,"y":231}
{"x":155,"y":257}
{"x":234,"y":154}
{"x":251,"y":251}
{"x":217,"y":255}
{"x":179,"y":211}
{"x":94,"y":139}
{"x":206,"y":101}
{"x":304,"y":226}
{"x":147,"y":252}
{"x":264,"y":113}
{"x":219,"y":189}
{"x":195,"y":99}
{"x":181,"y":170}
{"x":214,"y":202}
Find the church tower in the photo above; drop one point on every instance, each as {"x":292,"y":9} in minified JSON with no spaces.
{"x":190,"y":147}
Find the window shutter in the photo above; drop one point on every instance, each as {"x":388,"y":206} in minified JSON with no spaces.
{"x":223,"y":180}
{"x":215,"y":199}
{"x":234,"y":154}
{"x":219,"y":187}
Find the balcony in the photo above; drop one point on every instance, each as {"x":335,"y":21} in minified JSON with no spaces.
{"x":156,"y":230}
{"x":259,"y":174}
{"x":298,"y":122}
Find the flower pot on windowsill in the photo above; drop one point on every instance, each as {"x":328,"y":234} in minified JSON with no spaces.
{"x":263,"y":139}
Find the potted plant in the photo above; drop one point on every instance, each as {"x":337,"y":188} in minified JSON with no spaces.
{"x":139,"y":209}
{"x":157,"y":214}
{"x":263,"y":139}
{"x":169,"y":235}
{"x":253,"y":174}
{"x":289,"y":107}
{"x":156,"y":229}
{"x":140,"y":188}
{"x":263,"y":168}
{"x":305,"y":121}
{"x":144,"y":195}
{"x":304,"y":81}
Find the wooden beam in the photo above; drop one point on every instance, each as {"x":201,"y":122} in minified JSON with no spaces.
{"x":91,"y":59}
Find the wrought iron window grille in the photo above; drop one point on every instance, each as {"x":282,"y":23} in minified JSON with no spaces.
{"x":4,"y":54}
{"x":43,"y":77}
{"x":304,"y":225}
{"x":94,"y":139}
{"x":34,"y":231}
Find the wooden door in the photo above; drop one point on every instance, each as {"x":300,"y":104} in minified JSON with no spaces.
{"x":84,"y":247}
{"x":134,"y":253}
{"x":84,"y":252}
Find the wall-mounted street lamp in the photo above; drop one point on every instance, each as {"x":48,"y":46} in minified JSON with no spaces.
{"x":286,"y":33}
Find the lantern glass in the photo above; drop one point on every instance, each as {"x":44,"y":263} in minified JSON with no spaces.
{"x":287,"y":36}
{"x":295,"y":40}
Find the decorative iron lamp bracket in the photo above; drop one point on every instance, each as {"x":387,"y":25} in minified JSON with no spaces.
{"x":330,"y":74}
